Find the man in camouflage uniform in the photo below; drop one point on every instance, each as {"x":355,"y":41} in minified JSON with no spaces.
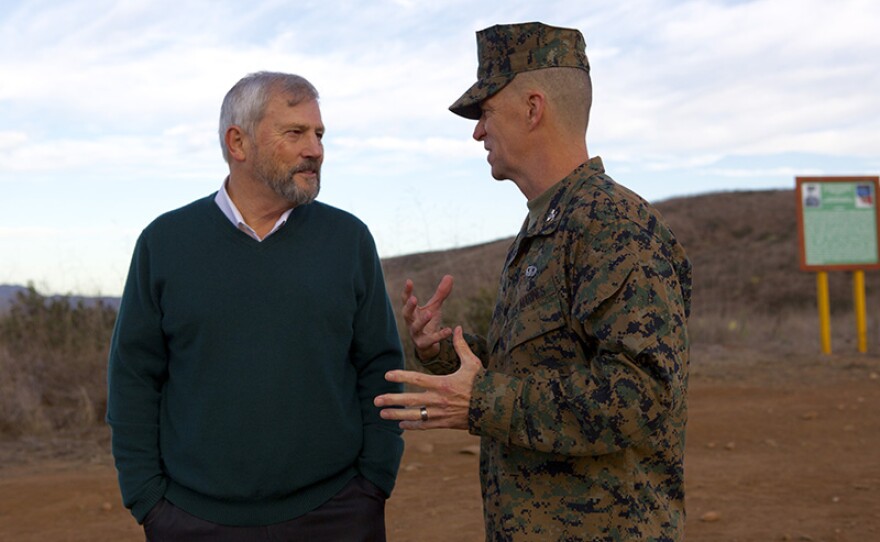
{"x":579,"y":390}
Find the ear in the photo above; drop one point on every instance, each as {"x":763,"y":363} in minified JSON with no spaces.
{"x":236,"y":143}
{"x":537,"y":105}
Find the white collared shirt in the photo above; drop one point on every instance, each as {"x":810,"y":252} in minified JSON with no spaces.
{"x":229,"y":209}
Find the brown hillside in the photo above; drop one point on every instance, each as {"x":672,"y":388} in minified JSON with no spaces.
{"x":748,"y":289}
{"x":781,"y":440}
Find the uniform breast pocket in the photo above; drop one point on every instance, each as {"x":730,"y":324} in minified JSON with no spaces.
{"x":535,"y":318}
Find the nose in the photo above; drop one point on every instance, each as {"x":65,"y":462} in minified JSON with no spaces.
{"x":314,"y":148}
{"x":479,"y":131}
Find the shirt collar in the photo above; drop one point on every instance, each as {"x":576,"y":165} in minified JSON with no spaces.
{"x":232,"y":213}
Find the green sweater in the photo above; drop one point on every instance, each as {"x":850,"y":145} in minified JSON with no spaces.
{"x":242,"y":373}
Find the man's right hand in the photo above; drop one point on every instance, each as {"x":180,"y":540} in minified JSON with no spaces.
{"x":425,"y":322}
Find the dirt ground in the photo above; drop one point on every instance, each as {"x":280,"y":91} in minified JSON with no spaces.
{"x":778,"y":448}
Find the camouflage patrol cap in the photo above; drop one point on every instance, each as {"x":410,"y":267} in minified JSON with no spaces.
{"x":506,"y":50}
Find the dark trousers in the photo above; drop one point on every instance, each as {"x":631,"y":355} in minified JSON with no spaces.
{"x":355,"y":514}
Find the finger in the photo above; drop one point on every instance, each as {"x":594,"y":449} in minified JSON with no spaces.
{"x":462,"y":349}
{"x":440,"y":334}
{"x":434,"y":421}
{"x":415,"y":378}
{"x":419,"y":425}
{"x":442,"y":292}
{"x":420,"y":319}
{"x":406,"y":400}
{"x":424,"y":326}
{"x":407,"y":291}
{"x":402,"y":414}
{"x":409,"y":310}
{"x":410,"y":419}
{"x":428,"y":344}
{"x":459,"y":343}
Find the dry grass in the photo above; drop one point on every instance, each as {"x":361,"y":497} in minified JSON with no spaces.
{"x":53,"y":358}
{"x":744,"y":249}
{"x":748,"y":289}
{"x":748,"y":292}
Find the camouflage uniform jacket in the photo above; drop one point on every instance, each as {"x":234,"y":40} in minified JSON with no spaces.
{"x":582,"y":406}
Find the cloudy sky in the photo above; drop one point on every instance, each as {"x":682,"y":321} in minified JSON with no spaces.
{"x":108,"y":110}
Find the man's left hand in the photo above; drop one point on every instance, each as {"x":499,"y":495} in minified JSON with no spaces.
{"x":446,"y":398}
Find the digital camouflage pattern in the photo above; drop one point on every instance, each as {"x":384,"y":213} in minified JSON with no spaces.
{"x":506,"y":50}
{"x":582,"y":406}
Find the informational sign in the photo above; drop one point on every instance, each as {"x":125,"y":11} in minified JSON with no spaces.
{"x":838,"y":223}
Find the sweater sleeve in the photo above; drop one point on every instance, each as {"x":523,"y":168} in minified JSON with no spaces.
{"x":136,"y":371}
{"x":376,"y":349}
{"x":633,"y":315}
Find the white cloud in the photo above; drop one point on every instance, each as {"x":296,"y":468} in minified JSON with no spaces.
{"x":432,"y":146}
{"x":29,"y":232}
{"x":61,"y":233}
{"x":11,"y":139}
{"x":131,"y":157}
{"x":712,"y":75}
{"x":130,"y":91}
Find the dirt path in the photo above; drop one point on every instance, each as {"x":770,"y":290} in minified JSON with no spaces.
{"x":778,"y":449}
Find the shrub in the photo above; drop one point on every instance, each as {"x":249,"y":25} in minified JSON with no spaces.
{"x":53,"y":355}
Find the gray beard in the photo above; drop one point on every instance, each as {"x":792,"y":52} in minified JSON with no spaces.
{"x":285,"y":186}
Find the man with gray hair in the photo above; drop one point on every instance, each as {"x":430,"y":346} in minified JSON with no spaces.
{"x":253,"y":333}
{"x":578,"y":391}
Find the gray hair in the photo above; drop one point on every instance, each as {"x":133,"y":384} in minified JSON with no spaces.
{"x":245,"y":103}
{"x":569,"y":89}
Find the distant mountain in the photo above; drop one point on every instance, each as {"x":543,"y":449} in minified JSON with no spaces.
{"x":743,"y":247}
{"x":9,"y":292}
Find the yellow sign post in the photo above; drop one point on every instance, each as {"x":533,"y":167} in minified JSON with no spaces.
{"x":824,"y":302}
{"x":861,"y":310}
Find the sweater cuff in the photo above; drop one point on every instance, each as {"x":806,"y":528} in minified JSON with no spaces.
{"x":150,"y":498}
{"x":380,"y":458}
{"x":493,"y":400}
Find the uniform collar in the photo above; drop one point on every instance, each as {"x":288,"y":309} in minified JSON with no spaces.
{"x":561,"y":193}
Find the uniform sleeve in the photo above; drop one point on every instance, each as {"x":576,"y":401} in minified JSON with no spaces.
{"x":375,"y":351}
{"x":137,"y":370}
{"x":447,"y":362}
{"x":624,"y":353}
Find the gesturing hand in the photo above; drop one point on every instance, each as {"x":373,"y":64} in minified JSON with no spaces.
{"x":446,"y":399}
{"x":425,"y":322}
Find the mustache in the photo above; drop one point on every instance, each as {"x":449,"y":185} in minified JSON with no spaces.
{"x":309,"y":164}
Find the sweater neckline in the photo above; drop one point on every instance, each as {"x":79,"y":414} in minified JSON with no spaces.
{"x":218,"y":218}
